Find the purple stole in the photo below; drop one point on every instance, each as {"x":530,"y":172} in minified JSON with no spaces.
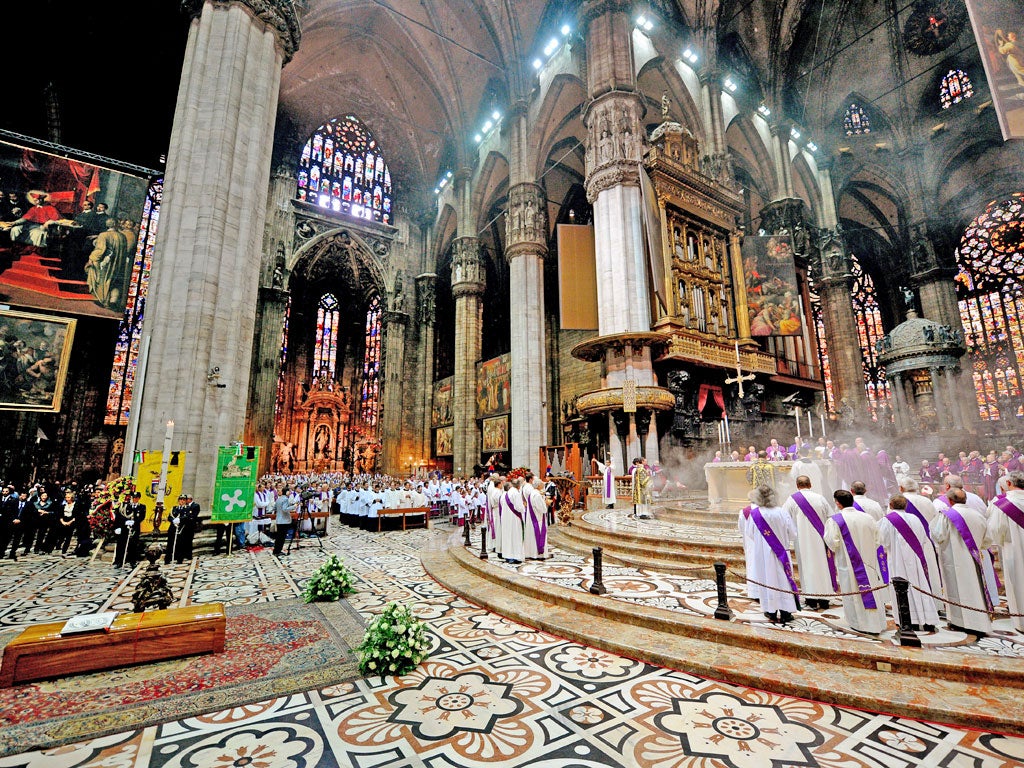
{"x":917,"y":513}
{"x":609,"y":485}
{"x":1012,"y":511}
{"x":819,"y":526}
{"x":860,"y":573}
{"x":774,"y":544}
{"x":540,"y":530}
{"x":883,"y":560}
{"x":910,"y":537}
{"x":965,"y":533}
{"x":746,"y":512}
{"x":515,"y":512}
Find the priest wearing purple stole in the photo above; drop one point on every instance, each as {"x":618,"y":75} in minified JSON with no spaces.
{"x":809,"y":510}
{"x":853,"y":536}
{"x":493,"y":518}
{"x":771,"y":533}
{"x":513,"y":519}
{"x":910,"y":555}
{"x":960,"y":534}
{"x":1006,"y":530}
{"x":535,"y":545}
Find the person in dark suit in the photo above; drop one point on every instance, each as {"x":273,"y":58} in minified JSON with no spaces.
{"x":284,"y":508}
{"x":179,"y":533}
{"x":7,"y":528}
{"x":83,"y":531}
{"x":63,"y":527}
{"x":135,"y":512}
{"x":47,"y":513}
{"x":22,"y":515}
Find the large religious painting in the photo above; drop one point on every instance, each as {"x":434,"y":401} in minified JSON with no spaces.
{"x":772,"y":294}
{"x":443,"y":440}
{"x":494,"y":387}
{"x":34,"y":353}
{"x":441,"y":408}
{"x":999,"y":30}
{"x":68,"y":232}
{"x":495,"y":434}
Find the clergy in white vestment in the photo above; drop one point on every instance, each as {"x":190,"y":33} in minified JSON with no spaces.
{"x":493,"y":519}
{"x":910,"y":555}
{"x":607,"y":482}
{"x":513,"y":518}
{"x":853,"y":536}
{"x":772,"y":533}
{"x":1006,"y":530}
{"x":816,"y":563}
{"x":863,"y":503}
{"x":959,"y":532}
{"x":975,"y":502}
{"x":804,"y":465}
{"x":751,"y":564}
{"x":535,"y":546}
{"x":374,"y":504}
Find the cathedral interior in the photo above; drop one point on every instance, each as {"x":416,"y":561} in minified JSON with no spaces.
{"x":402,"y":237}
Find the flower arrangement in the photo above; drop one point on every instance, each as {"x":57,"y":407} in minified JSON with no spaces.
{"x":517,"y":473}
{"x":331,"y":581}
{"x":394,"y":643}
{"x":104,"y":502}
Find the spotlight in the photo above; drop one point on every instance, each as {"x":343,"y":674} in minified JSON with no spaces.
{"x":488,"y":125}
{"x":537,"y":63}
{"x":730,"y":85}
{"x":478,"y":138}
{"x":551,"y":47}
{"x":794,"y":133}
{"x":566,"y":29}
{"x":496,"y":115}
{"x":764,"y":111}
{"x":812,"y":146}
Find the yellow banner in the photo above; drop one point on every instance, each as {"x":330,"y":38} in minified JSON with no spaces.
{"x":147,"y":480}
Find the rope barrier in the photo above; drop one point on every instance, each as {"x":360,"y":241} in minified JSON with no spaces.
{"x":1000,"y":612}
{"x":810,"y":594}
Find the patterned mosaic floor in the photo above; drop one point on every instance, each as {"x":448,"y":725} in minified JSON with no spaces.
{"x":491,"y":693}
{"x":723,"y":531}
{"x":694,"y":593}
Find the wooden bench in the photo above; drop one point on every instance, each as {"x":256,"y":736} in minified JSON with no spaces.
{"x":404,"y":512}
{"x":41,"y":652}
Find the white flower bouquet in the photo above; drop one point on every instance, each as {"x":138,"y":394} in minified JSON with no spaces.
{"x":394,"y":643}
{"x":331,"y":581}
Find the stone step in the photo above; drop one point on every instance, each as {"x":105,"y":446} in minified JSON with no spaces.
{"x":959,"y":689}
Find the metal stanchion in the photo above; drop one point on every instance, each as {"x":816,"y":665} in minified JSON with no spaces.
{"x":483,"y":542}
{"x":465,"y":538}
{"x":723,"y":611}
{"x":597,"y":588}
{"x":905,"y":634}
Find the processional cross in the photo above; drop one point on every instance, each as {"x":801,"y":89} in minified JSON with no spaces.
{"x":740,"y":378}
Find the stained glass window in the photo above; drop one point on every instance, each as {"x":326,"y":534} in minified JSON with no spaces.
{"x":869,"y":330}
{"x":856,"y":121}
{"x":819,"y":327}
{"x":325,"y":349}
{"x":129,"y":333}
{"x":279,"y":402}
{"x":990,"y":260}
{"x":369,"y":402}
{"x":341,"y":168}
{"x":955,"y":87}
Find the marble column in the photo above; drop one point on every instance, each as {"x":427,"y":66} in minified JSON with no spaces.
{"x":526,"y":246}
{"x":266,"y":371}
{"x":467,"y":290}
{"x":939,"y":399}
{"x":426,"y":317}
{"x":614,"y":148}
{"x":844,"y":350}
{"x":203,"y":292}
{"x":393,"y":394}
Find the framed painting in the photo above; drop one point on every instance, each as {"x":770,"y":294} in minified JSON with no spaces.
{"x":443,"y":438}
{"x":34,"y":354}
{"x":495,"y":434}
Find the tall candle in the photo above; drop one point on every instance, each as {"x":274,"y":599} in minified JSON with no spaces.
{"x":822,"y":424}
{"x":165,"y":460}
{"x":810,"y":425}
{"x":725,"y":421}
{"x":798,"y":427}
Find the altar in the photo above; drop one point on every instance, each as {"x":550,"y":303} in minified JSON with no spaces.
{"x":728,"y":484}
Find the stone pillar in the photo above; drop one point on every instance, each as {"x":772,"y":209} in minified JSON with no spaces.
{"x":780,"y":158}
{"x":614,"y":148}
{"x":266,"y":371}
{"x":426,"y":317}
{"x":467,"y":290}
{"x":715,"y":161}
{"x":203,"y":293}
{"x":393,"y":395}
{"x":739,"y":290}
{"x":841,"y":326}
{"x":526,"y":246}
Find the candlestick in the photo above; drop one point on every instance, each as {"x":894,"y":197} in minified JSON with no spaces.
{"x":810,"y":425}
{"x":822,"y":424}
{"x":728,"y":437}
{"x":797,"y":409}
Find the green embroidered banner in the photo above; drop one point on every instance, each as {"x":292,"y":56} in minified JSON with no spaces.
{"x":234,"y":487}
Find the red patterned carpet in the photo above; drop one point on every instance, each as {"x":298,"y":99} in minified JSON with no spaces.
{"x":271,"y":649}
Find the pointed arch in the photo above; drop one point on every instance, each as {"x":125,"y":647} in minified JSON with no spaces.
{"x":743,"y":138}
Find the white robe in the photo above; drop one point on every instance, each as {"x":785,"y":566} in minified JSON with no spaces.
{"x":769,"y":568}
{"x":750,"y":559}
{"x":493,"y":524}
{"x":924,"y":505}
{"x":975,"y":502}
{"x":959,"y":573}
{"x":811,"y":553}
{"x":812,"y":471}
{"x":608,"y":499}
{"x":870,"y":506}
{"x":512,"y":530}
{"x":904,"y":562}
{"x":536,"y":519}
{"x":1009,"y":537}
{"x":864,"y":533}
